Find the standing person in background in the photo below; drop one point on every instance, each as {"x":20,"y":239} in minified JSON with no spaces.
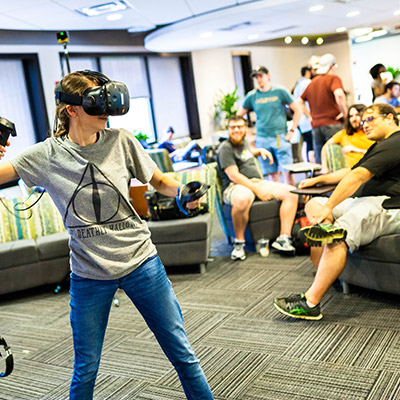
{"x":86,"y":169}
{"x":392,"y":91}
{"x":327,"y":100}
{"x":377,"y":84}
{"x":352,"y":139}
{"x":304,"y":123}
{"x":268,"y":101}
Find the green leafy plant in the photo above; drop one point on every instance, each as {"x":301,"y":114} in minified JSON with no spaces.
{"x":140,"y":136}
{"x":225,"y":106}
{"x":395,"y":71}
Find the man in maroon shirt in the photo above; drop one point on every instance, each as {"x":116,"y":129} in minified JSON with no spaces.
{"x":327,"y":101}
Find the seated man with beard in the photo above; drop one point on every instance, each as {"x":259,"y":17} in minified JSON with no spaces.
{"x":243,"y":183}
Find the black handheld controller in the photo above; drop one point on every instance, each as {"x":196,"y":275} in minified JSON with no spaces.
{"x":7,"y":128}
{"x":190,"y":192}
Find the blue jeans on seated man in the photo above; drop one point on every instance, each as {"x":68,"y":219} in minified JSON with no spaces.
{"x":151,"y":292}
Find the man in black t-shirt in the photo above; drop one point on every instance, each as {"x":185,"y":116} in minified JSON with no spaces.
{"x":354,"y":215}
{"x":242,"y":183}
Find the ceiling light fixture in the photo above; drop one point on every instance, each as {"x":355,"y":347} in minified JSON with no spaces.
{"x":206,"y":35}
{"x":319,"y":41}
{"x":378,"y":33}
{"x":105,"y":8}
{"x":316,"y":8}
{"x":304,"y":40}
{"x":114,"y":17}
{"x":341,"y":29}
{"x":352,"y":14}
{"x":254,"y":36}
{"x":364,"y":38}
{"x":288,"y":39}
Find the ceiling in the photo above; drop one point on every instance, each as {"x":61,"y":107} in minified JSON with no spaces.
{"x":184,"y":25}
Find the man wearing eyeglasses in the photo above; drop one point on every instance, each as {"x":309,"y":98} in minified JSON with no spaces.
{"x":242,"y":182}
{"x":355,"y":214}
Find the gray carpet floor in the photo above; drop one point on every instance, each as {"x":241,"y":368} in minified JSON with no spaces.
{"x":246,"y":348}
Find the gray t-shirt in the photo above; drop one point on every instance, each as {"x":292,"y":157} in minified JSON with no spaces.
{"x":90,"y":187}
{"x":241,"y":156}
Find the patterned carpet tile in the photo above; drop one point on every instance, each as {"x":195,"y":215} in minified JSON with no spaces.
{"x":387,"y":387}
{"x":289,"y":378}
{"x":218,"y":300}
{"x":32,"y":380}
{"x":246,"y":278}
{"x":230,"y":373}
{"x":344,"y":345}
{"x":372,"y":311}
{"x":133,"y":358}
{"x":253,"y":335}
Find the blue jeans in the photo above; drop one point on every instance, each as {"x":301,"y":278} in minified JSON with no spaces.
{"x":321,"y":135}
{"x":282,"y":154}
{"x":151,"y":292}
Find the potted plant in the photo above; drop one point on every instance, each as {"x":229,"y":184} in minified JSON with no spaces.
{"x":225,"y":107}
{"x":395,"y":72}
{"x":141,"y":137}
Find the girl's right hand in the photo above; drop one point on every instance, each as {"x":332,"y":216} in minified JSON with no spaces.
{"x":3,"y":150}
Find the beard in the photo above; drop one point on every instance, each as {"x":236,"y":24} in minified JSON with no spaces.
{"x":236,"y":142}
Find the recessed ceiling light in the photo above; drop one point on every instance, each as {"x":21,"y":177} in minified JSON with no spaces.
{"x":360,"y":31}
{"x":253,"y":36}
{"x":316,"y":8}
{"x":304,"y":40}
{"x":341,"y":29}
{"x":380,"y":32}
{"x":352,"y":14}
{"x":319,"y":41}
{"x":114,"y":17}
{"x":104,"y":8}
{"x":397,"y":12}
{"x":140,"y":28}
{"x":288,"y":39}
{"x":364,"y":38}
{"x":206,"y":35}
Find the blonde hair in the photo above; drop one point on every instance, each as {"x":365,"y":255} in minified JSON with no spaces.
{"x":73,"y":83}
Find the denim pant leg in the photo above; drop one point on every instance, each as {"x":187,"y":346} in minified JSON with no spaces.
{"x":90,"y":307}
{"x":150,"y":290}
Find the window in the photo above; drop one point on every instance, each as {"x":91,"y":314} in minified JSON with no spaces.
{"x":22,"y":102}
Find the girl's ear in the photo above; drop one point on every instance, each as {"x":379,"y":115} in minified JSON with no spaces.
{"x":71,"y":110}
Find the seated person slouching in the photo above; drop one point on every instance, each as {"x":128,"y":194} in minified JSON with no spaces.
{"x":191,"y":152}
{"x":352,"y":139}
{"x":390,"y":95}
{"x":355,"y":214}
{"x":243,"y":182}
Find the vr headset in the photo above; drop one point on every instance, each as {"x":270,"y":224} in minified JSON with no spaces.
{"x":111,"y":98}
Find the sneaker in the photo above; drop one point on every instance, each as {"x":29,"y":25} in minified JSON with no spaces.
{"x":238,"y":252}
{"x":284,"y":243}
{"x":319,"y":235}
{"x":296,"y":307}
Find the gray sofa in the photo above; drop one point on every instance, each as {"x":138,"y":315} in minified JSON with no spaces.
{"x":375,"y":266}
{"x":28,"y":263}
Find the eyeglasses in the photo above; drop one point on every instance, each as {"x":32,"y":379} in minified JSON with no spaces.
{"x":370,"y":119}
{"x":236,"y":126}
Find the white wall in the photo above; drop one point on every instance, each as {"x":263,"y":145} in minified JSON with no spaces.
{"x":366,"y":55}
{"x":213,"y":71}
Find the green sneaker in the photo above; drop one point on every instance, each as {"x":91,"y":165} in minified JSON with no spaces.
{"x":296,"y":307}
{"x":321,"y":234}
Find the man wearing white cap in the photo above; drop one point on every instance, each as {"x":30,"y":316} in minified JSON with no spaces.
{"x":327,"y":100}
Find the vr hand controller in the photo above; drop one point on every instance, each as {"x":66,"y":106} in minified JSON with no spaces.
{"x":9,"y":358}
{"x":7,"y":128}
{"x":190,"y":192}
